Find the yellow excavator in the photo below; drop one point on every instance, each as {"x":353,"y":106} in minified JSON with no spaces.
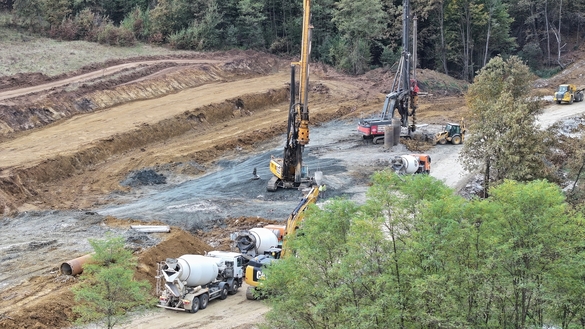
{"x":289,"y":171}
{"x":253,"y":272}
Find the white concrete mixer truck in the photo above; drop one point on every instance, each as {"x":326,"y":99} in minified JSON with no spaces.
{"x":189,"y":282}
{"x":412,"y":164}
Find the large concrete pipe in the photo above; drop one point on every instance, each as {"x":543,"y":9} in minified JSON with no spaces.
{"x":397,"y":130}
{"x":75,"y":266}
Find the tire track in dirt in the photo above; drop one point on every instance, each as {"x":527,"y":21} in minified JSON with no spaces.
{"x":96,"y":74}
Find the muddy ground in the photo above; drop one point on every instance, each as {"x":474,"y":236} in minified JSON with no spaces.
{"x":163,"y":142}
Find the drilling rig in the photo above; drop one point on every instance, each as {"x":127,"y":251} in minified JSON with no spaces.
{"x":289,"y":171}
{"x":403,"y":94}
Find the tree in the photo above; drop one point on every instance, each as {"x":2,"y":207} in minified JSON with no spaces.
{"x":251,"y":19}
{"x":57,"y":10}
{"x":357,"y":266}
{"x":318,"y":250}
{"x":359,"y":22}
{"x":170,"y":16}
{"x":504,"y":141}
{"x":107,"y":289}
{"x":29,"y":13}
{"x":417,"y":256}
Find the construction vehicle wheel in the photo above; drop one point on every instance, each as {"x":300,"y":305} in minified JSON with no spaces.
{"x":250,"y":293}
{"x":203,"y":301}
{"x":558,"y":102}
{"x":456,"y":140}
{"x":224,"y":292}
{"x":571,"y":101}
{"x":234,"y":289}
{"x":442,"y":141}
{"x":194,"y":305}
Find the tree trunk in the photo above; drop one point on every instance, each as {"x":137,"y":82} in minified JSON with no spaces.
{"x":487,"y":39}
{"x":547,"y":33}
{"x":486,"y":179}
{"x":559,"y":34}
{"x":442,"y":27}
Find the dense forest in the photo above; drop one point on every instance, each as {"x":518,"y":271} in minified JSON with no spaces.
{"x":457,"y":37}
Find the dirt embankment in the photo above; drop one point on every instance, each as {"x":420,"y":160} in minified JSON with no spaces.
{"x":100,"y":154}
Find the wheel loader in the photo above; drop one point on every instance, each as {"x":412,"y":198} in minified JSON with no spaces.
{"x":453,"y":133}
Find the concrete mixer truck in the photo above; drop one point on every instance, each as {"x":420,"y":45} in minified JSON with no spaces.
{"x":189,"y":282}
{"x":412,"y":164}
{"x":269,"y":243}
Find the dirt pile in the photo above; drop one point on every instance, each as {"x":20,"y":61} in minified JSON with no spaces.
{"x":46,"y":301}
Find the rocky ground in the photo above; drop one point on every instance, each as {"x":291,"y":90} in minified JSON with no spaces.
{"x":162,"y":141}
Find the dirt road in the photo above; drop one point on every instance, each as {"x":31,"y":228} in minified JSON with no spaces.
{"x":78,"y":79}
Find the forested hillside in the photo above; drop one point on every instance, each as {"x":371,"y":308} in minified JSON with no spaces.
{"x":456,"y":37}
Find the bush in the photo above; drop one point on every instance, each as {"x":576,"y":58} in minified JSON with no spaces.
{"x":188,"y":38}
{"x":115,"y":36}
{"x":67,"y":30}
{"x":156,"y":38}
{"x":87,"y":23}
{"x":138,"y":22}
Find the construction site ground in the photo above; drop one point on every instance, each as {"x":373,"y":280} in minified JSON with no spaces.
{"x":174,"y":141}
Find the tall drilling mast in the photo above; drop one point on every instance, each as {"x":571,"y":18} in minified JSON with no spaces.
{"x":288,"y":172}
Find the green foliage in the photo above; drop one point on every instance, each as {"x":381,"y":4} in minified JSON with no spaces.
{"x":115,"y":36}
{"x":454,"y":36}
{"x":202,"y":34}
{"x":359,"y":22}
{"x":138,"y":21}
{"x":107,"y":290}
{"x":29,"y":14}
{"x":505,"y":142}
{"x":389,"y":57}
{"x":170,"y":16}
{"x":250,"y":21}
{"x":546,"y":73}
{"x":417,"y":256}
{"x":57,"y":10}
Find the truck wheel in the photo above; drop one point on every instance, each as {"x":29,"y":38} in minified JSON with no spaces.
{"x":224,"y":292}
{"x":456,"y":140}
{"x":234,"y":289}
{"x":203,"y":301}
{"x":195,"y":305}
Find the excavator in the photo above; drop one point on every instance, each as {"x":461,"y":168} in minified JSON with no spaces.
{"x":403,"y":96}
{"x":289,"y":171}
{"x":243,"y":240}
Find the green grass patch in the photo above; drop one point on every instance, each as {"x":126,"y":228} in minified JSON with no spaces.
{"x":546,"y":73}
{"x":22,"y":52}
